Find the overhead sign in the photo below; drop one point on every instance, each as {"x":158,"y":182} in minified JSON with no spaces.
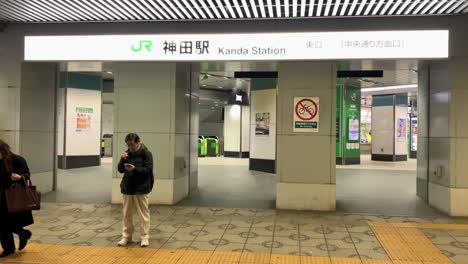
{"x":240,"y":47}
{"x":306,"y":114}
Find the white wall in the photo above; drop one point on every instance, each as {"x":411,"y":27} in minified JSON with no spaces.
{"x":382,"y":130}
{"x":232,"y":129}
{"x":263,"y":147}
{"x":84,"y":143}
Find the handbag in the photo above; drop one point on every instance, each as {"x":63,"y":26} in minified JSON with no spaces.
{"x":22,"y":197}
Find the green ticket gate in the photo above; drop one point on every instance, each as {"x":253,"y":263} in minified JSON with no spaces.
{"x":202,"y":146}
{"x":212,"y":146}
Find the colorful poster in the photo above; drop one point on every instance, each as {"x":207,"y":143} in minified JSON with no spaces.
{"x":262,"y":124}
{"x":354,"y":129}
{"x":306,"y":114}
{"x":83,"y":118}
{"x":401,"y":129}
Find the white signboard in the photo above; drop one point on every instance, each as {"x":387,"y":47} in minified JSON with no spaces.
{"x":239,"y":47}
{"x":306,"y":114}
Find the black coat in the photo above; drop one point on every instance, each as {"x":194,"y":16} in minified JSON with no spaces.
{"x":141,"y":179}
{"x":7,"y":220}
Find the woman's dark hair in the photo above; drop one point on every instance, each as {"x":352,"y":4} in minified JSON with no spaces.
{"x":7,"y":156}
{"x":132,"y":137}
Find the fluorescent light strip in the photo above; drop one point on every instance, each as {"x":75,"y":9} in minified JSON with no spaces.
{"x":160,"y":10}
{"x":152,"y":10}
{"x":163,"y":5}
{"x":206,"y":8}
{"x":270,"y":9}
{"x":353,"y":7}
{"x":446,"y":6}
{"x":175,"y":9}
{"x":90,"y":10}
{"x":190,"y":9}
{"x":403,"y":7}
{"x":253,"y":5}
{"x":70,"y":6}
{"x":39,"y":10}
{"x":286,"y":8}
{"x":369,"y":7}
{"x":246,"y":8}
{"x":422,"y":5}
{"x":453,"y":7}
{"x":214,"y":8}
{"x":387,"y":6}
{"x":262,"y":8}
{"x":319,"y":8}
{"x":80,"y":14}
{"x":199,"y":10}
{"x":361,"y":7}
{"x":377,"y":8}
{"x":343,"y":9}
{"x":328,"y":7}
{"x":303,"y":8}
{"x":102,"y":8}
{"x":11,"y":15}
{"x":238,"y":9}
{"x":461,"y":8}
{"x":335,"y":8}
{"x":142,"y":10}
{"x":223,"y":9}
{"x":311,"y":8}
{"x":435,"y":8}
{"x":294,"y":8}
{"x":100,"y":11}
{"x":395,"y":6}
{"x":385,"y":88}
{"x":116,"y":9}
{"x":412,"y":6}
{"x":230,"y":9}
{"x":278,"y":8}
{"x":59,"y":13}
{"x":21,"y":15}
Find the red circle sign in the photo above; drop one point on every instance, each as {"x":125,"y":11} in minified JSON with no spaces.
{"x":306,"y":109}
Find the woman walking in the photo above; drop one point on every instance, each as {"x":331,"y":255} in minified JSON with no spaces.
{"x":13,"y":168}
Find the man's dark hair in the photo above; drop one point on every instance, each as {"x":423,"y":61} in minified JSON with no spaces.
{"x":132,"y":137}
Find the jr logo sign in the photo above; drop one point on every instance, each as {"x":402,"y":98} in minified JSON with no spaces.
{"x":143,"y":44}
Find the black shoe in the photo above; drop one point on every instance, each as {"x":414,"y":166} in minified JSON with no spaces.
{"x":6,"y":254}
{"x":24,"y":239}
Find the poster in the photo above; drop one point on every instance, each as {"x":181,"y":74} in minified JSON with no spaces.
{"x":306,"y":114}
{"x":83,"y":118}
{"x":262,"y":124}
{"x":354,"y":129}
{"x":401,"y":128}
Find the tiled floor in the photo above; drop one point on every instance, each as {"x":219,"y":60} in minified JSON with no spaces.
{"x":291,"y":233}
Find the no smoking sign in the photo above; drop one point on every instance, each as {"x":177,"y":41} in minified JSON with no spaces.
{"x":306,"y":114}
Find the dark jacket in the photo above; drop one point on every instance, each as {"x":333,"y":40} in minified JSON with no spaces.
{"x":7,"y":220}
{"x":141,"y":179}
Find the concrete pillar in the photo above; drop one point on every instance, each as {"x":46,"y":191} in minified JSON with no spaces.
{"x":263,"y":125}
{"x":389,"y":127}
{"x":27,"y":109}
{"x":154,"y":100}
{"x":79,"y":106}
{"x":306,"y":173}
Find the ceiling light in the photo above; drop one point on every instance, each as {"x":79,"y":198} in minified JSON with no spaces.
{"x":223,"y":10}
{"x":387,"y":6}
{"x":435,"y":8}
{"x":361,"y":7}
{"x":253,"y":5}
{"x":319,"y":7}
{"x":327,"y":8}
{"x":239,"y":10}
{"x":230,"y":9}
{"x":353,"y":6}
{"x":412,"y":6}
{"x":395,"y":7}
{"x":206,"y":8}
{"x":379,"y":5}
{"x":262,"y":8}
{"x":278,"y":8}
{"x":311,"y":7}
{"x":385,"y":88}
{"x":270,"y":9}
{"x":369,"y":7}
{"x":286,"y":8}
{"x":335,"y":8}
{"x":246,"y":8}
{"x":303,"y":7}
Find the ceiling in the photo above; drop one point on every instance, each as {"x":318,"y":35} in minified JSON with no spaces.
{"x":57,"y":11}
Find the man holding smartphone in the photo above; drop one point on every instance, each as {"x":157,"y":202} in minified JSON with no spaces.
{"x":137,"y":166}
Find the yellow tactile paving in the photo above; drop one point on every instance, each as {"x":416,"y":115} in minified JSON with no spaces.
{"x":404,"y":243}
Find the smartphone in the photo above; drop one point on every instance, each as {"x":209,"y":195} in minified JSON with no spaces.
{"x":129,"y":165}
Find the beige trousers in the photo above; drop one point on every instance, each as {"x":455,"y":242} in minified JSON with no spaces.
{"x":140,"y":202}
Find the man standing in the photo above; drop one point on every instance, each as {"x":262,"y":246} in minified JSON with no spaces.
{"x":137,"y":166}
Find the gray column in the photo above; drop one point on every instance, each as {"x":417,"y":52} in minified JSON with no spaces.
{"x":306,"y":161}
{"x":153,"y":100}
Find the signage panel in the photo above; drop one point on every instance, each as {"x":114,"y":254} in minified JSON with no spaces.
{"x":240,"y":47}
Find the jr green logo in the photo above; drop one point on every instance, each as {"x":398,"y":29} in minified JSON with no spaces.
{"x":143,"y":43}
